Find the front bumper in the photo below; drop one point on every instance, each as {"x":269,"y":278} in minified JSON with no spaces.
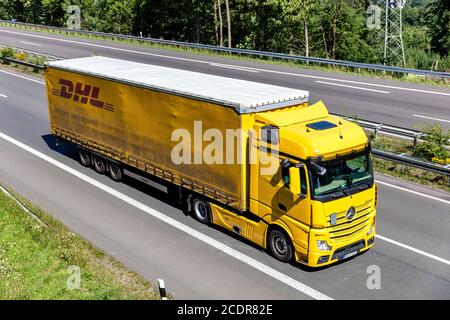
{"x":340,"y":250}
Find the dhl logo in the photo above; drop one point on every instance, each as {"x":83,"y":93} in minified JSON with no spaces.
{"x":82,"y":93}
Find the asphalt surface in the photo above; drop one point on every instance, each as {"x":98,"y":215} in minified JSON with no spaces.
{"x":193,"y":269}
{"x":391,"y":102}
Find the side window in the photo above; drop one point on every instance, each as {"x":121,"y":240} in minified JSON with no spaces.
{"x":303,"y":181}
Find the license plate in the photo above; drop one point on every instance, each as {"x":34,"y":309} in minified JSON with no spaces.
{"x":351,"y":254}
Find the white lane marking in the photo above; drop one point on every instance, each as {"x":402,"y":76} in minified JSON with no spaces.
{"x":3,"y":96}
{"x":249,"y":68}
{"x":405,"y":246}
{"x":174,"y":223}
{"x":31,"y":43}
{"x":413,"y":192}
{"x":19,"y":76}
{"x":352,"y":87}
{"x":233,"y":67}
{"x":431,"y":118}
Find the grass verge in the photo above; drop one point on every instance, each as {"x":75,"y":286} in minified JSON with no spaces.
{"x":301,"y":65}
{"x":41,"y":261}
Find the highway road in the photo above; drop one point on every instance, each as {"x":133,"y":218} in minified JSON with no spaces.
{"x":391,"y":102}
{"x":151,"y":235}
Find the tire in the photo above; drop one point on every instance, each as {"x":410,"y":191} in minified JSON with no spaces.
{"x":84,"y":157}
{"x":99,"y":164}
{"x":115,"y":172}
{"x":201,"y":210}
{"x":280,"y":245}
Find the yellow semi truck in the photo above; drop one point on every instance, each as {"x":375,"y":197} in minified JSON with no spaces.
{"x":253,"y":158}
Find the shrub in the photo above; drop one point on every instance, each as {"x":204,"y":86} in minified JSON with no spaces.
{"x":21,"y":56}
{"x":7,"y":53}
{"x":434,"y":143}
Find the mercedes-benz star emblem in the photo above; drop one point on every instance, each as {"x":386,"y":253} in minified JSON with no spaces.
{"x":350,"y":213}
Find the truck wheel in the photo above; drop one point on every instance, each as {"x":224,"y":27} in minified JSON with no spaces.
{"x":202,"y":210}
{"x":84,"y":157}
{"x":280,"y":245}
{"x":115,"y":171}
{"x":99,"y":165}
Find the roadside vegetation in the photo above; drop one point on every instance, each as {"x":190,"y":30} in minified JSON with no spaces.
{"x":335,"y":29}
{"x":22,"y":56}
{"x":41,"y":259}
{"x":433,"y":148}
{"x":412,"y":78}
{"x":331,"y":29}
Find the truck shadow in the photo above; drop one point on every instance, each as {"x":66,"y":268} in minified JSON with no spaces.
{"x":170,"y":199}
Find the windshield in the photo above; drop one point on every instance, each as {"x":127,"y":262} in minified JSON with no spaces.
{"x":342,"y":174}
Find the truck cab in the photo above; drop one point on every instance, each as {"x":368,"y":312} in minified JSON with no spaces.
{"x":319,"y":204}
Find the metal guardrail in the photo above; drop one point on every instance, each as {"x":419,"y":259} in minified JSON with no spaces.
{"x":376,"y":127}
{"x":35,"y":53}
{"x":413,"y":162}
{"x":35,"y":67}
{"x":255,"y":53}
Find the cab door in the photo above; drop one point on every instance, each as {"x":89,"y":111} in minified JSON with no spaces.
{"x":296,"y":206}
{"x":294,"y":210}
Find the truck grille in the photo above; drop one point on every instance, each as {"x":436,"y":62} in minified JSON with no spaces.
{"x":345,"y":229}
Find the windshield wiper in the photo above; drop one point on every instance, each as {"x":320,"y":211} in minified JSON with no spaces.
{"x":348,"y":181}
{"x":345,"y":192}
{"x":337,"y":189}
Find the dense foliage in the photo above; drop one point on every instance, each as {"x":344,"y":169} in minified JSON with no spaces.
{"x":321,"y":28}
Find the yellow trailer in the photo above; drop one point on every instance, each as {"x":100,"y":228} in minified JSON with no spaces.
{"x":256,"y":159}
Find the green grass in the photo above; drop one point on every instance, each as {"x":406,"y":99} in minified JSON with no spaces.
{"x":34,"y":261}
{"x":301,"y":65}
{"x":411,"y":174}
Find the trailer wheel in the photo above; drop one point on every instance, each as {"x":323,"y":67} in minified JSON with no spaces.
{"x":280,"y":245}
{"x":115,"y":171}
{"x":201,"y":210}
{"x":99,"y":165}
{"x":84,"y":157}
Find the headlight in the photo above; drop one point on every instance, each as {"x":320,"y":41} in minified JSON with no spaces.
{"x":372,"y":228}
{"x":323,"y":245}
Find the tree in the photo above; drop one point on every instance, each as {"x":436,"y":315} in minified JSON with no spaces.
{"x":53,"y":13}
{"x":300,"y":13}
{"x":218,"y":12}
{"x":227,"y":6}
{"x":438,"y":19}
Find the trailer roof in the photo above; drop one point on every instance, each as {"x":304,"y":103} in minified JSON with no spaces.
{"x":244,"y":96}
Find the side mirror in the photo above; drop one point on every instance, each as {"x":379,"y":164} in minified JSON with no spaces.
{"x":294,"y":180}
{"x":318,"y":169}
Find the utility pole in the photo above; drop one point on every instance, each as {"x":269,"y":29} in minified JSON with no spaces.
{"x":394,"y":51}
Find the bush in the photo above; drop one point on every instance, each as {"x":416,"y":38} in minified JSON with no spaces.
{"x":434,"y":143}
{"x":39,"y":60}
{"x":21,"y":56}
{"x":7,"y":53}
